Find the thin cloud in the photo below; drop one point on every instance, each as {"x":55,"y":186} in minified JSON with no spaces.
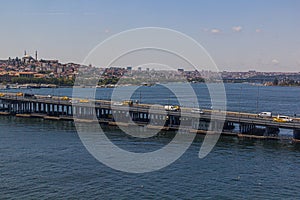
{"x":50,"y":13}
{"x":215,"y":31}
{"x":237,"y":28}
{"x":89,"y":13}
{"x":275,"y":61}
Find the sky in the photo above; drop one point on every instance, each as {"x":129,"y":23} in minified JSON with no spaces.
{"x":240,"y":35}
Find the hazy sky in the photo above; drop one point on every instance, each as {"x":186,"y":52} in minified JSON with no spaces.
{"x":239,"y":35}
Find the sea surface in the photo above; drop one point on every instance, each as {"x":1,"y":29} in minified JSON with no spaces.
{"x":42,"y":159}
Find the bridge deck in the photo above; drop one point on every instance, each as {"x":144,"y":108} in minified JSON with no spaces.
{"x":235,"y":117}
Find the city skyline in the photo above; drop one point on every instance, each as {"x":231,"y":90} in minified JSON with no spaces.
{"x":240,"y":36}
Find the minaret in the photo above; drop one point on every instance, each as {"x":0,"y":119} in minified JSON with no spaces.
{"x":36,"y":55}
{"x":25,"y":53}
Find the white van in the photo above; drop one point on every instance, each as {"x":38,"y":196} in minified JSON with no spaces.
{"x":265,"y":114}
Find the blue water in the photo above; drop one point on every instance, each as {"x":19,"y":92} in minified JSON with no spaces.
{"x":46,"y":159}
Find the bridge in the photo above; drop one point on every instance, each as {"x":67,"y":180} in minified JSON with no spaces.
{"x":154,"y":116}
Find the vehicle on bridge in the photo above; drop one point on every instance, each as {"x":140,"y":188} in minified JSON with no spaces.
{"x":128,"y":102}
{"x":197,"y":110}
{"x":73,"y":101}
{"x":265,"y":114}
{"x":172,"y":108}
{"x":27,"y":95}
{"x":65,"y":98}
{"x":282,"y":118}
{"x":83,"y":101}
{"x":19,"y":94}
{"x":116,"y":103}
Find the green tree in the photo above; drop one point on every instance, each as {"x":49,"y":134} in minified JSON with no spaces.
{"x":275,"y":82}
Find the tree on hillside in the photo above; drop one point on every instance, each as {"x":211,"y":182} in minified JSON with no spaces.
{"x":275,"y":82}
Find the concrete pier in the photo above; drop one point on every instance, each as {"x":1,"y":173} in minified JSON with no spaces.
{"x":296,"y":134}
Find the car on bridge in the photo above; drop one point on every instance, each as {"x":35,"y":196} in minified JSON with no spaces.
{"x":27,"y":95}
{"x":116,"y":103}
{"x":127,"y":102}
{"x":83,"y":101}
{"x":172,"y":108}
{"x":282,"y":118}
{"x":197,"y":110}
{"x":65,"y":98}
{"x":73,"y":101}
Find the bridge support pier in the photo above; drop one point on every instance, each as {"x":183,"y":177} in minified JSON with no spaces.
{"x":247,"y":128}
{"x":296,"y":134}
{"x":271,"y":131}
{"x":216,"y":126}
{"x":228,"y":126}
{"x":200,"y":124}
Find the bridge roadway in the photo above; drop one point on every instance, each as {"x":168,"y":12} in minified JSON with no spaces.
{"x":235,"y":117}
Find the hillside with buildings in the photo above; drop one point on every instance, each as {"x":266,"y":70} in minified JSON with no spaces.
{"x":31,"y":70}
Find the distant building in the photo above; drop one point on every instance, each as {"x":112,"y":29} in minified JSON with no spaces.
{"x":39,"y":75}
{"x":180,"y":70}
{"x":28,"y":59}
{"x":49,"y":61}
{"x":5,"y":77}
{"x":26,"y":74}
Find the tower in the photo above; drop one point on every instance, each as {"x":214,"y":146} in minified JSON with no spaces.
{"x":36,"y":55}
{"x":25,"y":53}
